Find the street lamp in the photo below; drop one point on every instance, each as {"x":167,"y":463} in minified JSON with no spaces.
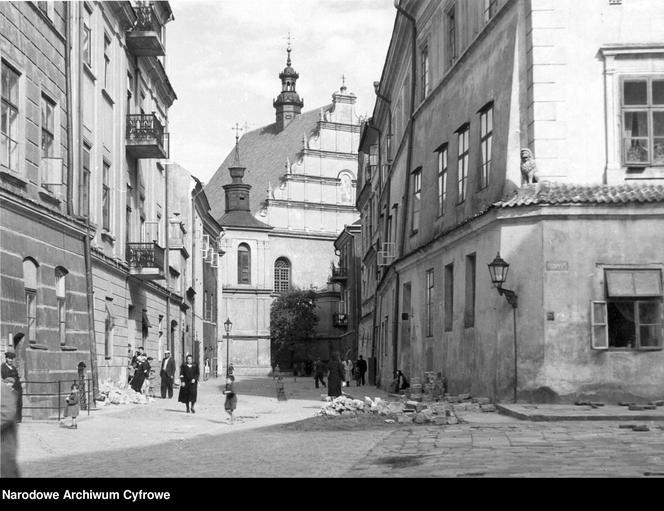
{"x":227,"y":326}
{"x":498,"y":269}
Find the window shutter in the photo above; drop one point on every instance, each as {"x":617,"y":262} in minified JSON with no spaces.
{"x":599,"y":326}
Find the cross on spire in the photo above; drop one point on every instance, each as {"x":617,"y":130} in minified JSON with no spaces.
{"x":289,"y":48}
{"x":236,"y":157}
{"x":343,"y":83}
{"x":237,"y":131}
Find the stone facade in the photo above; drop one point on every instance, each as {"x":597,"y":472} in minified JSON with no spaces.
{"x":44,"y":309}
{"x":566,"y":241}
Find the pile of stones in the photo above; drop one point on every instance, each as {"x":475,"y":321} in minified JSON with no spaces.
{"x":113,"y":393}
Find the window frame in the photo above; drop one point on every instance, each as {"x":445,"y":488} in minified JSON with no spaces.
{"x":443,"y":167}
{"x":637,"y":347}
{"x":84,"y":180}
{"x":448,"y":303}
{"x":416,"y":207}
{"x":242,"y":268}
{"x":278,"y":279}
{"x":12,"y":132}
{"x":650,"y":109}
{"x":463,"y":160}
{"x":451,"y":35}
{"x":429,"y":288}
{"x":490,"y":10}
{"x":108,"y":75}
{"x":425,"y":70}
{"x":470,"y":291}
{"x":61,"y":297}
{"x":486,"y":145}
{"x":106,"y":201}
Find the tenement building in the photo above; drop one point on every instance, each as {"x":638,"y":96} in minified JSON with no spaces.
{"x":282,"y":196}
{"x":532,"y":129}
{"x":44,"y":313}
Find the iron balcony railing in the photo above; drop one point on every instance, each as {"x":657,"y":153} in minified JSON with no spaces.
{"x":339,"y":273}
{"x":340,"y":319}
{"x":145,"y":127}
{"x":145,"y":255}
{"x":146,"y":18}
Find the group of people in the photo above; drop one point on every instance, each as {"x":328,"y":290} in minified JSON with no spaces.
{"x":141,"y":374}
{"x":189,"y":377}
{"x":351,"y":371}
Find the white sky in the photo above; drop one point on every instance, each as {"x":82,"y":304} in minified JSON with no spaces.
{"x":223,"y":58}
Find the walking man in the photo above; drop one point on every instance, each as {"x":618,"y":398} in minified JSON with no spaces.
{"x":319,"y":372}
{"x":362,"y":368}
{"x":167,"y":374}
{"x":9,"y":371}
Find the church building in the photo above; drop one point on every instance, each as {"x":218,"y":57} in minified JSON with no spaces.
{"x":282,"y":197}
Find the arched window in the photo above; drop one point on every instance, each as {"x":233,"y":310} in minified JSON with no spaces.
{"x":282,"y":275}
{"x":30,"y":284}
{"x":61,"y":295}
{"x":345,"y":188}
{"x":243,"y":264}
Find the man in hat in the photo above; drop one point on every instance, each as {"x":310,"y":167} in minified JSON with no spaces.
{"x":9,"y":371}
{"x":167,"y":374}
{"x":8,"y":467}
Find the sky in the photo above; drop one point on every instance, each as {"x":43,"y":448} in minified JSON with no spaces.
{"x":223,"y":58}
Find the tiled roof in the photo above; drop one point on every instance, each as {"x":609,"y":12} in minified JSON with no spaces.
{"x":560,"y":193}
{"x":242,"y":219}
{"x":263,"y":152}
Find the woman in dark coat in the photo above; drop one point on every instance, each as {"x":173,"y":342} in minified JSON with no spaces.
{"x":335,"y":377}
{"x":189,"y":374}
{"x":142,"y":371}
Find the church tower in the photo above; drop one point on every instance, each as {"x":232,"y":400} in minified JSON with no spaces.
{"x":237,"y":192}
{"x":288,"y":104}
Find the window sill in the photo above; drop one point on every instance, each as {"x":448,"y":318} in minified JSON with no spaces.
{"x":49,"y":197}
{"x":64,"y":347}
{"x":107,"y":97}
{"x":108,"y":237}
{"x":89,"y":72}
{"x":13,"y":177}
{"x":633,"y":350}
{"x":34,"y":346}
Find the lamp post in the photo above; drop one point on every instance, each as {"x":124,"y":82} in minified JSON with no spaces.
{"x":498,"y":269}
{"x":227,"y":326}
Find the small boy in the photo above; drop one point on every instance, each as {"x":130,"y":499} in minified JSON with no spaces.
{"x":231,"y":398}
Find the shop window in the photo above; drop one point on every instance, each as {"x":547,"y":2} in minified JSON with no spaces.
{"x":631,"y":316}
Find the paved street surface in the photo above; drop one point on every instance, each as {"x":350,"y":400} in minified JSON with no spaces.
{"x":269,"y":439}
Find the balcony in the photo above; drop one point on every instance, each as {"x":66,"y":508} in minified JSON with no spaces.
{"x":339,"y":274}
{"x":144,"y":39}
{"x":340,"y":319}
{"x":146,"y":260}
{"x":146,"y":137}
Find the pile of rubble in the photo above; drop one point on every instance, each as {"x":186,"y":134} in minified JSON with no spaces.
{"x":113,"y":393}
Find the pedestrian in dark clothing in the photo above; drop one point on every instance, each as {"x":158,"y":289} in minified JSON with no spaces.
{"x":141,"y":373}
{"x":189,"y":375}
{"x":9,"y":371}
{"x":362,"y":368}
{"x":319,"y":372}
{"x":73,"y":406}
{"x":8,"y":440}
{"x":167,"y":375}
{"x":231,"y":397}
{"x":335,"y":376}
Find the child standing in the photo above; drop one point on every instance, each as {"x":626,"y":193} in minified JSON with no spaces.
{"x":231,"y":398}
{"x":73,"y":407}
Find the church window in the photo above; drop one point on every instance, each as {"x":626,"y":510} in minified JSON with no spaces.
{"x":243,"y":264}
{"x":345,"y":188}
{"x":282,"y":274}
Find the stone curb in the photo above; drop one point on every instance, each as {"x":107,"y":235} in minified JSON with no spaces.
{"x":578,"y":417}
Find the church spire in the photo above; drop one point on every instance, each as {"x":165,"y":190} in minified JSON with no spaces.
{"x":288,"y":104}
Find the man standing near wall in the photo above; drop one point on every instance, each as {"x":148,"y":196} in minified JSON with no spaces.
{"x":9,"y":371}
{"x":362,"y":368}
{"x":167,"y":374}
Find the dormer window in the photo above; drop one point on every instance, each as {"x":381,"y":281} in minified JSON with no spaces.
{"x":643,"y":121}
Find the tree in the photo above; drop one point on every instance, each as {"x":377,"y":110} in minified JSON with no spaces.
{"x":293,"y":319}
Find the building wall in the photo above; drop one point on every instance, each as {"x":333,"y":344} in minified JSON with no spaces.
{"x":34,"y":219}
{"x":544,"y":100}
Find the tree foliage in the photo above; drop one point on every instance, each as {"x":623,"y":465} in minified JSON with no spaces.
{"x":293,"y":319}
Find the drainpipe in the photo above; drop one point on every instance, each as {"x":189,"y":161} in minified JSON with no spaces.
{"x":167,"y":271}
{"x":409,"y":161}
{"x":70,"y":136}
{"x":86,"y":243}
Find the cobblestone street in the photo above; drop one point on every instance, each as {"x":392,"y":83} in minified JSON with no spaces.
{"x":160,"y":440}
